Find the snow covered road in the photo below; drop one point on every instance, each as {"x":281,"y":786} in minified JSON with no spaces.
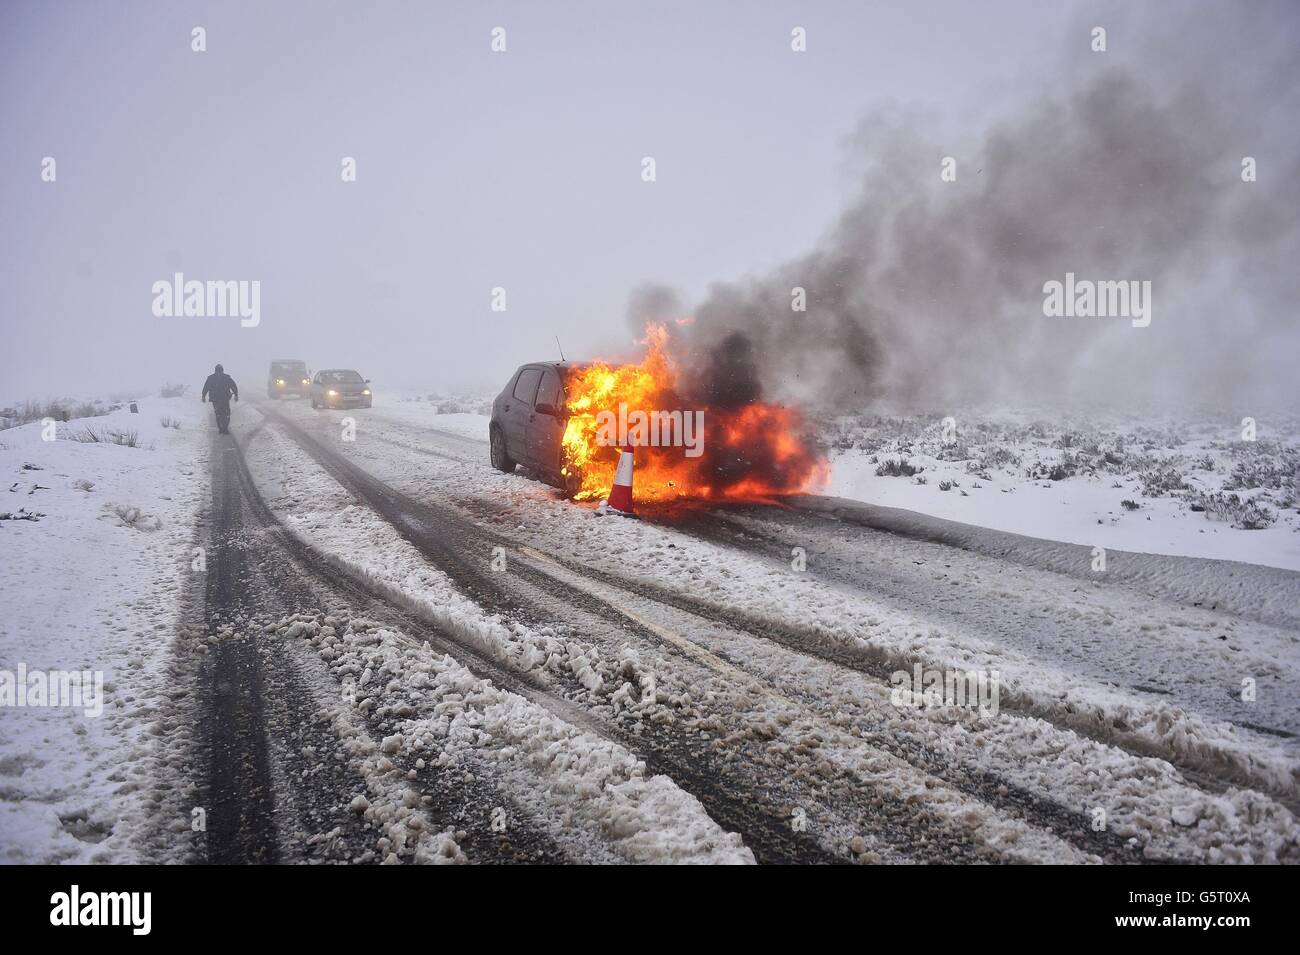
{"x":375,"y":648}
{"x":754,"y":687}
{"x":310,"y":757}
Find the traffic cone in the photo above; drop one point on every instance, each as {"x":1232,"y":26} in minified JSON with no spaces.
{"x":620,"y":495}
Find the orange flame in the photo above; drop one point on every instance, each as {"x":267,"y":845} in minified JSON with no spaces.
{"x":754,"y":451}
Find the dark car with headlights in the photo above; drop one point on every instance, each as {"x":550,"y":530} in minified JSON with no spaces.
{"x":528,"y":422}
{"x":340,"y":388}
{"x":288,"y":376}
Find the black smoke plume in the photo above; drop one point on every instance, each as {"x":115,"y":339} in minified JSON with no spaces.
{"x":930,"y":293}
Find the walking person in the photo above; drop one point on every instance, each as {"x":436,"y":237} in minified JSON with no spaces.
{"x":220,"y":387}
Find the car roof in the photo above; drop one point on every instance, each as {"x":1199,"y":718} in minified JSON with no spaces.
{"x":326,"y":371}
{"x":287,"y":361}
{"x":558,"y":365}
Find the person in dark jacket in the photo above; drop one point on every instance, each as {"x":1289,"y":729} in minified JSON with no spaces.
{"x":220,"y":387}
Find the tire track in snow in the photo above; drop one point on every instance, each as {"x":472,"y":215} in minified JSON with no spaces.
{"x":846,"y":554}
{"x":246,"y":695}
{"x":1268,"y":595}
{"x":1194,"y":781}
{"x":420,"y":525}
{"x":1066,"y":824}
{"x":269,"y":795}
{"x":687,"y":762}
{"x":721,"y":530}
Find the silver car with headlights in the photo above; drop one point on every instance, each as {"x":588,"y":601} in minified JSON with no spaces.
{"x":340,"y":388}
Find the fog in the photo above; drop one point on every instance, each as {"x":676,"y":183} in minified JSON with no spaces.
{"x":522,"y":170}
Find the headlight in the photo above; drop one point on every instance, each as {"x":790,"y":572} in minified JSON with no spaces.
{"x":365,"y":391}
{"x":332,"y":393}
{"x":306,"y":381}
{"x":279,"y":381}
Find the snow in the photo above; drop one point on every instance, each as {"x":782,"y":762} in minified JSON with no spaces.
{"x":1055,"y":763}
{"x":1083,"y":508}
{"x":430,"y":413}
{"x":96,"y":583}
{"x":394,"y":812}
{"x":731,"y":644}
{"x":1064,"y":735}
{"x":758,"y":592}
{"x":587,"y":780}
{"x":763,"y":591}
{"x":1079,"y":511}
{"x":455,"y":719}
{"x":651,"y":820}
{"x":316,"y":509}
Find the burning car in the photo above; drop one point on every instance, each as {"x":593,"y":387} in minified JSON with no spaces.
{"x":288,"y":376}
{"x":340,"y":388}
{"x":528,"y":423}
{"x":567,"y":422}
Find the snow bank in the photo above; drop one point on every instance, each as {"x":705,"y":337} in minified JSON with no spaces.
{"x":95,"y":583}
{"x":449,"y":718}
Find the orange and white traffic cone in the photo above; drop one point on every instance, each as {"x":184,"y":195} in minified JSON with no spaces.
{"x":620,"y":495}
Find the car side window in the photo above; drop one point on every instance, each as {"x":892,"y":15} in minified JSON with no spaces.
{"x":549,"y":392}
{"x":526,"y":386}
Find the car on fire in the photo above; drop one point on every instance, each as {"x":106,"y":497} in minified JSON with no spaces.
{"x":288,"y":376}
{"x":340,"y":388}
{"x":528,"y":422}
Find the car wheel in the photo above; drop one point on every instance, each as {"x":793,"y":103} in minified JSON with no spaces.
{"x":571,"y":481}
{"x":500,"y":458}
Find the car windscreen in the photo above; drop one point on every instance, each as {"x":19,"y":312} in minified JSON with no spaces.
{"x":288,"y":368}
{"x":340,"y":378}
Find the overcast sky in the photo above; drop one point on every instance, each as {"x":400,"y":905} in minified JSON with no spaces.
{"x":475,"y":169}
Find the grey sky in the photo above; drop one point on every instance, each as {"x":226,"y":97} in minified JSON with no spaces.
{"x":475,"y":169}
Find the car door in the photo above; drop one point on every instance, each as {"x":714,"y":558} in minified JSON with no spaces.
{"x":518,"y":411}
{"x":546,"y":424}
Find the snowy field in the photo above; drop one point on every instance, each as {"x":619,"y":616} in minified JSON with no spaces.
{"x":93,"y":582}
{"x":1192,"y":488}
